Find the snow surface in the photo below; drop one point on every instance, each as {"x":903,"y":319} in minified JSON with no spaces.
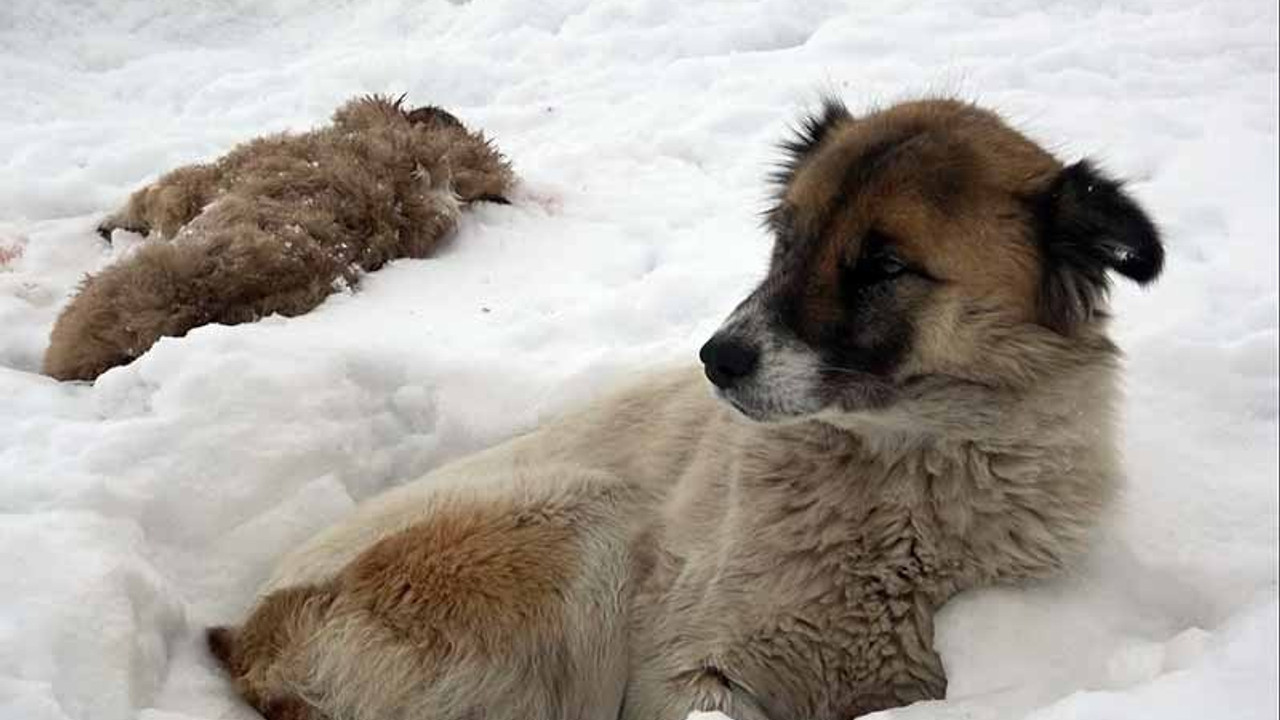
{"x":135,"y":511}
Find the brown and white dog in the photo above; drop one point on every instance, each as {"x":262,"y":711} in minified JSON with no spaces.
{"x":916,"y":400}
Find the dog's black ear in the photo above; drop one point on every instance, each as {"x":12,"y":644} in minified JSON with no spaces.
{"x":806,"y":136}
{"x":1088,"y":225}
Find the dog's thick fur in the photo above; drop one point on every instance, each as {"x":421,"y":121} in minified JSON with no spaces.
{"x":274,"y":226}
{"x":916,"y":400}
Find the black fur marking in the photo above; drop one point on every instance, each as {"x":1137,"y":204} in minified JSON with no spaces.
{"x":873,"y":331}
{"x":878,"y":261}
{"x":853,"y":322}
{"x":1087,"y":226}
{"x":873,"y":343}
{"x":807,"y":136}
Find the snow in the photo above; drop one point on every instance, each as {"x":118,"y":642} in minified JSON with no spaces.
{"x":135,"y":511}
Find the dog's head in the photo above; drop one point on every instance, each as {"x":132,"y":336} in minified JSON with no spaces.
{"x":919,"y":245}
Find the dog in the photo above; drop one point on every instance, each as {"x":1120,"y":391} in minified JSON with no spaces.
{"x":275,"y":226}
{"x":916,"y":400}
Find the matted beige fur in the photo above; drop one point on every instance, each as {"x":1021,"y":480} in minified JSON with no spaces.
{"x":275,"y":226}
{"x":918,"y":399}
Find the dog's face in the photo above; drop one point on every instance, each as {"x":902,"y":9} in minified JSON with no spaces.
{"x":925,"y":241}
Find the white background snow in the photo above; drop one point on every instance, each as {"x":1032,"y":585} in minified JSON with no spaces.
{"x":135,"y":511}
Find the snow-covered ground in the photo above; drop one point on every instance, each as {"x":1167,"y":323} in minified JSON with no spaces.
{"x":137,"y":510}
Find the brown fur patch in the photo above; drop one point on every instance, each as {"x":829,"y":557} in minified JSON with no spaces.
{"x":463,"y":580}
{"x":460,"y":587}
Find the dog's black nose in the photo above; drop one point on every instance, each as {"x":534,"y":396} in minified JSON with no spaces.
{"x":726,"y":360}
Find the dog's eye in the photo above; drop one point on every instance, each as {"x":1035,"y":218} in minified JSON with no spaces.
{"x":887,"y":265}
{"x":879,"y":261}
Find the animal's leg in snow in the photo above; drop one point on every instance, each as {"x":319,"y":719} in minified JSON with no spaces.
{"x":167,"y":204}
